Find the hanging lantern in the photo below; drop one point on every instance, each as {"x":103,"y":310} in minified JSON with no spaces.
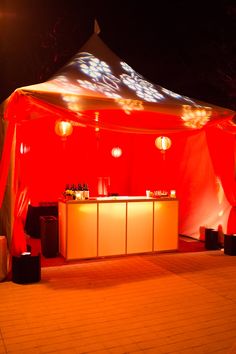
{"x":163,"y":143}
{"x":63,"y":128}
{"x":116,"y":152}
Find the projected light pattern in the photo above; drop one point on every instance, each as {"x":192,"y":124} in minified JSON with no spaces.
{"x":126,"y":67}
{"x":188,"y":99}
{"x":101,"y":79}
{"x":143,"y":88}
{"x":150,"y":94}
{"x":129,"y":105}
{"x":195,"y":117}
{"x":94,"y":67}
{"x":72,"y":102}
{"x":153,"y":90}
{"x":176,"y":95}
{"x":99,"y":87}
{"x":59,"y":84}
{"x":170,"y":93}
{"x":100,"y":73}
{"x":64,"y":83}
{"x":104,"y":81}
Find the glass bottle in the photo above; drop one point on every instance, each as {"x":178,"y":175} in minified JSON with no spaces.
{"x":85,"y":191}
{"x":80,"y":191}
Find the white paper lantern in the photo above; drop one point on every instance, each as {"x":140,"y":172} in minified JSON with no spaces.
{"x":116,"y":152}
{"x":163,"y":143}
{"x":63,"y":128}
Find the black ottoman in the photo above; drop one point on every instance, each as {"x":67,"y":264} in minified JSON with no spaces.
{"x":211,"y":239}
{"x":230,"y":245}
{"x":26,"y":269}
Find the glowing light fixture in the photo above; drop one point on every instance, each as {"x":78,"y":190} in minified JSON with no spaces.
{"x":116,"y":152}
{"x":163,"y":143}
{"x":63,"y":128}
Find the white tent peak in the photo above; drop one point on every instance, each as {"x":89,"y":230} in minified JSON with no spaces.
{"x":97,"y":29}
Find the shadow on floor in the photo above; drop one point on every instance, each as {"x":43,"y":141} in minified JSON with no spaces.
{"x":185,"y":244}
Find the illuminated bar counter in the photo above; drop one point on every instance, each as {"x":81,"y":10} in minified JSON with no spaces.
{"x":112,"y":226}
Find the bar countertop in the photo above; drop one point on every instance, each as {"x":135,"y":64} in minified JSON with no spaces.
{"x":117,"y":199}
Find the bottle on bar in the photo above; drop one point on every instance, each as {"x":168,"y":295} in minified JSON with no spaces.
{"x":66,"y":191}
{"x":73,"y":188}
{"x":85,"y":191}
{"x":80,"y":191}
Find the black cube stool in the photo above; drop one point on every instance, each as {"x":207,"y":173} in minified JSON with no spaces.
{"x":26,"y":269}
{"x":211,"y":239}
{"x":230,"y":245}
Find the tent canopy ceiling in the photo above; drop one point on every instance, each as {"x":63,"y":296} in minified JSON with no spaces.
{"x":97,"y":88}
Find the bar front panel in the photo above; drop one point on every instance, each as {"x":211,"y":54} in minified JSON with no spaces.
{"x":139,"y":227}
{"x":165,"y":225}
{"x":81,"y":230}
{"x":111,"y":229}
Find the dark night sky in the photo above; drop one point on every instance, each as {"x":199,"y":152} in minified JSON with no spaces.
{"x":182,"y":45}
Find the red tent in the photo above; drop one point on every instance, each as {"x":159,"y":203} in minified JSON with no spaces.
{"x":110,"y":105}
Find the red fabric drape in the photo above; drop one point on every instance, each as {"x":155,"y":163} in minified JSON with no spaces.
{"x":201,"y":204}
{"x":222,"y":149}
{"x":6,"y":159}
{"x":18,"y":242}
{"x":21,"y":195}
